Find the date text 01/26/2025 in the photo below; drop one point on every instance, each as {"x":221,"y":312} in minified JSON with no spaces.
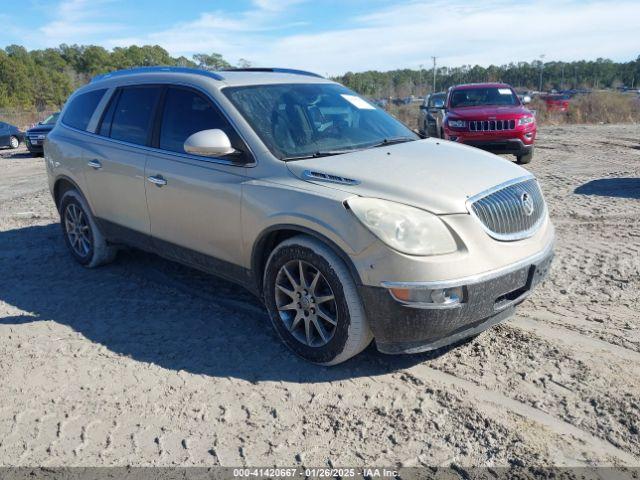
{"x":314,"y":472}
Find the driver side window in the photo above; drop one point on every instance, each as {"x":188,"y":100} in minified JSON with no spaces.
{"x":187,"y":112}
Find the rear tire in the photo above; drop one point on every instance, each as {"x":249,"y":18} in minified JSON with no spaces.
{"x":524,"y":159}
{"x":303,"y":321}
{"x":14,"y":142}
{"x":84,"y":240}
{"x":425,"y":130}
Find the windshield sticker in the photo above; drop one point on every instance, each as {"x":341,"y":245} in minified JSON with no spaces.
{"x":358,"y":102}
{"x":504,"y":91}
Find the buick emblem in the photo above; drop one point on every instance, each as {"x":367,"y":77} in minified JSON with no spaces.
{"x":527,"y":204}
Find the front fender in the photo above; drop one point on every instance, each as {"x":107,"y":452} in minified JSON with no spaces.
{"x":317,"y":211}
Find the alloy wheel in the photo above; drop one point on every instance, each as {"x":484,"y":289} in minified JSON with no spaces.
{"x":77,"y":229}
{"x":306,"y":303}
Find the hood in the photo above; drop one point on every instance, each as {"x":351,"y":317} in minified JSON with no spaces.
{"x":500,"y":112}
{"x":432,"y":174}
{"x":41,"y":129}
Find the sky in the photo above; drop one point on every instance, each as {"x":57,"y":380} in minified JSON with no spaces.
{"x":331,"y":36}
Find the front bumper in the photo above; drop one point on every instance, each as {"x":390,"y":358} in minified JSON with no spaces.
{"x":513,"y":146}
{"x":518,"y":142}
{"x":35,"y":141}
{"x":34,"y":148}
{"x":490,"y":298}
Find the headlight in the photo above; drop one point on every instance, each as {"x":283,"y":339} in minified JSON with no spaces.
{"x":457,"y":123}
{"x":526,"y":120}
{"x":403,"y":228}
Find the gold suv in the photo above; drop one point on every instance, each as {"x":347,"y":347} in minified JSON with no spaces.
{"x":343,"y":221}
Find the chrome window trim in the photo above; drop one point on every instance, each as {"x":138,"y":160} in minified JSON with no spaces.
{"x":511,"y":236}
{"x":214,"y":160}
{"x":478,"y":278}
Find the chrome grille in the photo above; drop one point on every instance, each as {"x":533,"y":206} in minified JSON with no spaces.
{"x":491,"y":125}
{"x":34,"y":137}
{"x":511,"y":211}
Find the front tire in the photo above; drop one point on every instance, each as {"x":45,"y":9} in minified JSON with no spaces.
{"x":526,"y":158}
{"x":313,"y":302}
{"x":14,"y":142}
{"x":84,"y":240}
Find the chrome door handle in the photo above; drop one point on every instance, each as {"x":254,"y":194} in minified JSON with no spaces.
{"x":95,"y":164}
{"x":157,"y":180}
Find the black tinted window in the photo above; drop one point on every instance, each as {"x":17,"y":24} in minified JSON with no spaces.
{"x":81,"y":109}
{"x":434,"y":98}
{"x":133,"y":114}
{"x":104,"y":128}
{"x":473,"y":97}
{"x":185,"y":113}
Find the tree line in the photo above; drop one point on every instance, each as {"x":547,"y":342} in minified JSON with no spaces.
{"x":41,"y":79}
{"x":600,"y":73}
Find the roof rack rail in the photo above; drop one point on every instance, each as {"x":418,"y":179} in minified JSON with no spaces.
{"x":130,"y":71}
{"x":292,"y":71}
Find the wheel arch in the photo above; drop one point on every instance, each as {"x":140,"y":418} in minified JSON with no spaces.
{"x":272,"y":236}
{"x":63,"y":184}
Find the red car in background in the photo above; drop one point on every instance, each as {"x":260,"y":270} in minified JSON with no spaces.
{"x":492,"y":117}
{"x":556,"y":102}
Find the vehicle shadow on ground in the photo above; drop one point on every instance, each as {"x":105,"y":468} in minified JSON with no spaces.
{"x":611,"y":187}
{"x":152,"y":310}
{"x":13,"y":154}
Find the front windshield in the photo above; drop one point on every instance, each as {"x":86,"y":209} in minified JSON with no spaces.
{"x":305,"y":120}
{"x":51,"y":119}
{"x":436,"y":96}
{"x":473,"y":97}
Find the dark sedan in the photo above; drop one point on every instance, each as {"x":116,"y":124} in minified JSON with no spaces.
{"x":10,"y":135}
{"x":35,"y":135}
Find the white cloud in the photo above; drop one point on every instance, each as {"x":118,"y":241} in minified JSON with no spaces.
{"x":79,"y":21}
{"x":272,"y":33}
{"x":492,"y":32}
{"x":275,"y":5}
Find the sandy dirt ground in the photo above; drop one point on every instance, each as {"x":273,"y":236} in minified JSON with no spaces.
{"x":145,"y":362}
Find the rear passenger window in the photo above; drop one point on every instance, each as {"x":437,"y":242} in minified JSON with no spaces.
{"x":81,"y":108}
{"x":132,"y":114}
{"x":185,"y":113}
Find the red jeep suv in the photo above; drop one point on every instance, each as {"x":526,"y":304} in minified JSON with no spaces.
{"x":492,"y":117}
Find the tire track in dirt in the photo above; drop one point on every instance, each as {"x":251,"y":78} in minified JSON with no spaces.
{"x":494,"y":404}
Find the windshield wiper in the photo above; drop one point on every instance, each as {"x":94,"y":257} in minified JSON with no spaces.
{"x":391,"y":141}
{"x":327,"y":153}
{"x":323,"y":153}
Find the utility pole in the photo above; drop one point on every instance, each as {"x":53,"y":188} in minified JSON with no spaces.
{"x":421,"y":79}
{"x":541,"y":67}
{"x":434,"y":74}
{"x":562,"y":84}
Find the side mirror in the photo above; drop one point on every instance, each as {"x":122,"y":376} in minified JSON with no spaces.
{"x":438,"y":103}
{"x":209,"y":143}
{"x":526,"y":99}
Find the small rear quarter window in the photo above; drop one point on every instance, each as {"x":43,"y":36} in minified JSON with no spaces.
{"x":80,"y":110}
